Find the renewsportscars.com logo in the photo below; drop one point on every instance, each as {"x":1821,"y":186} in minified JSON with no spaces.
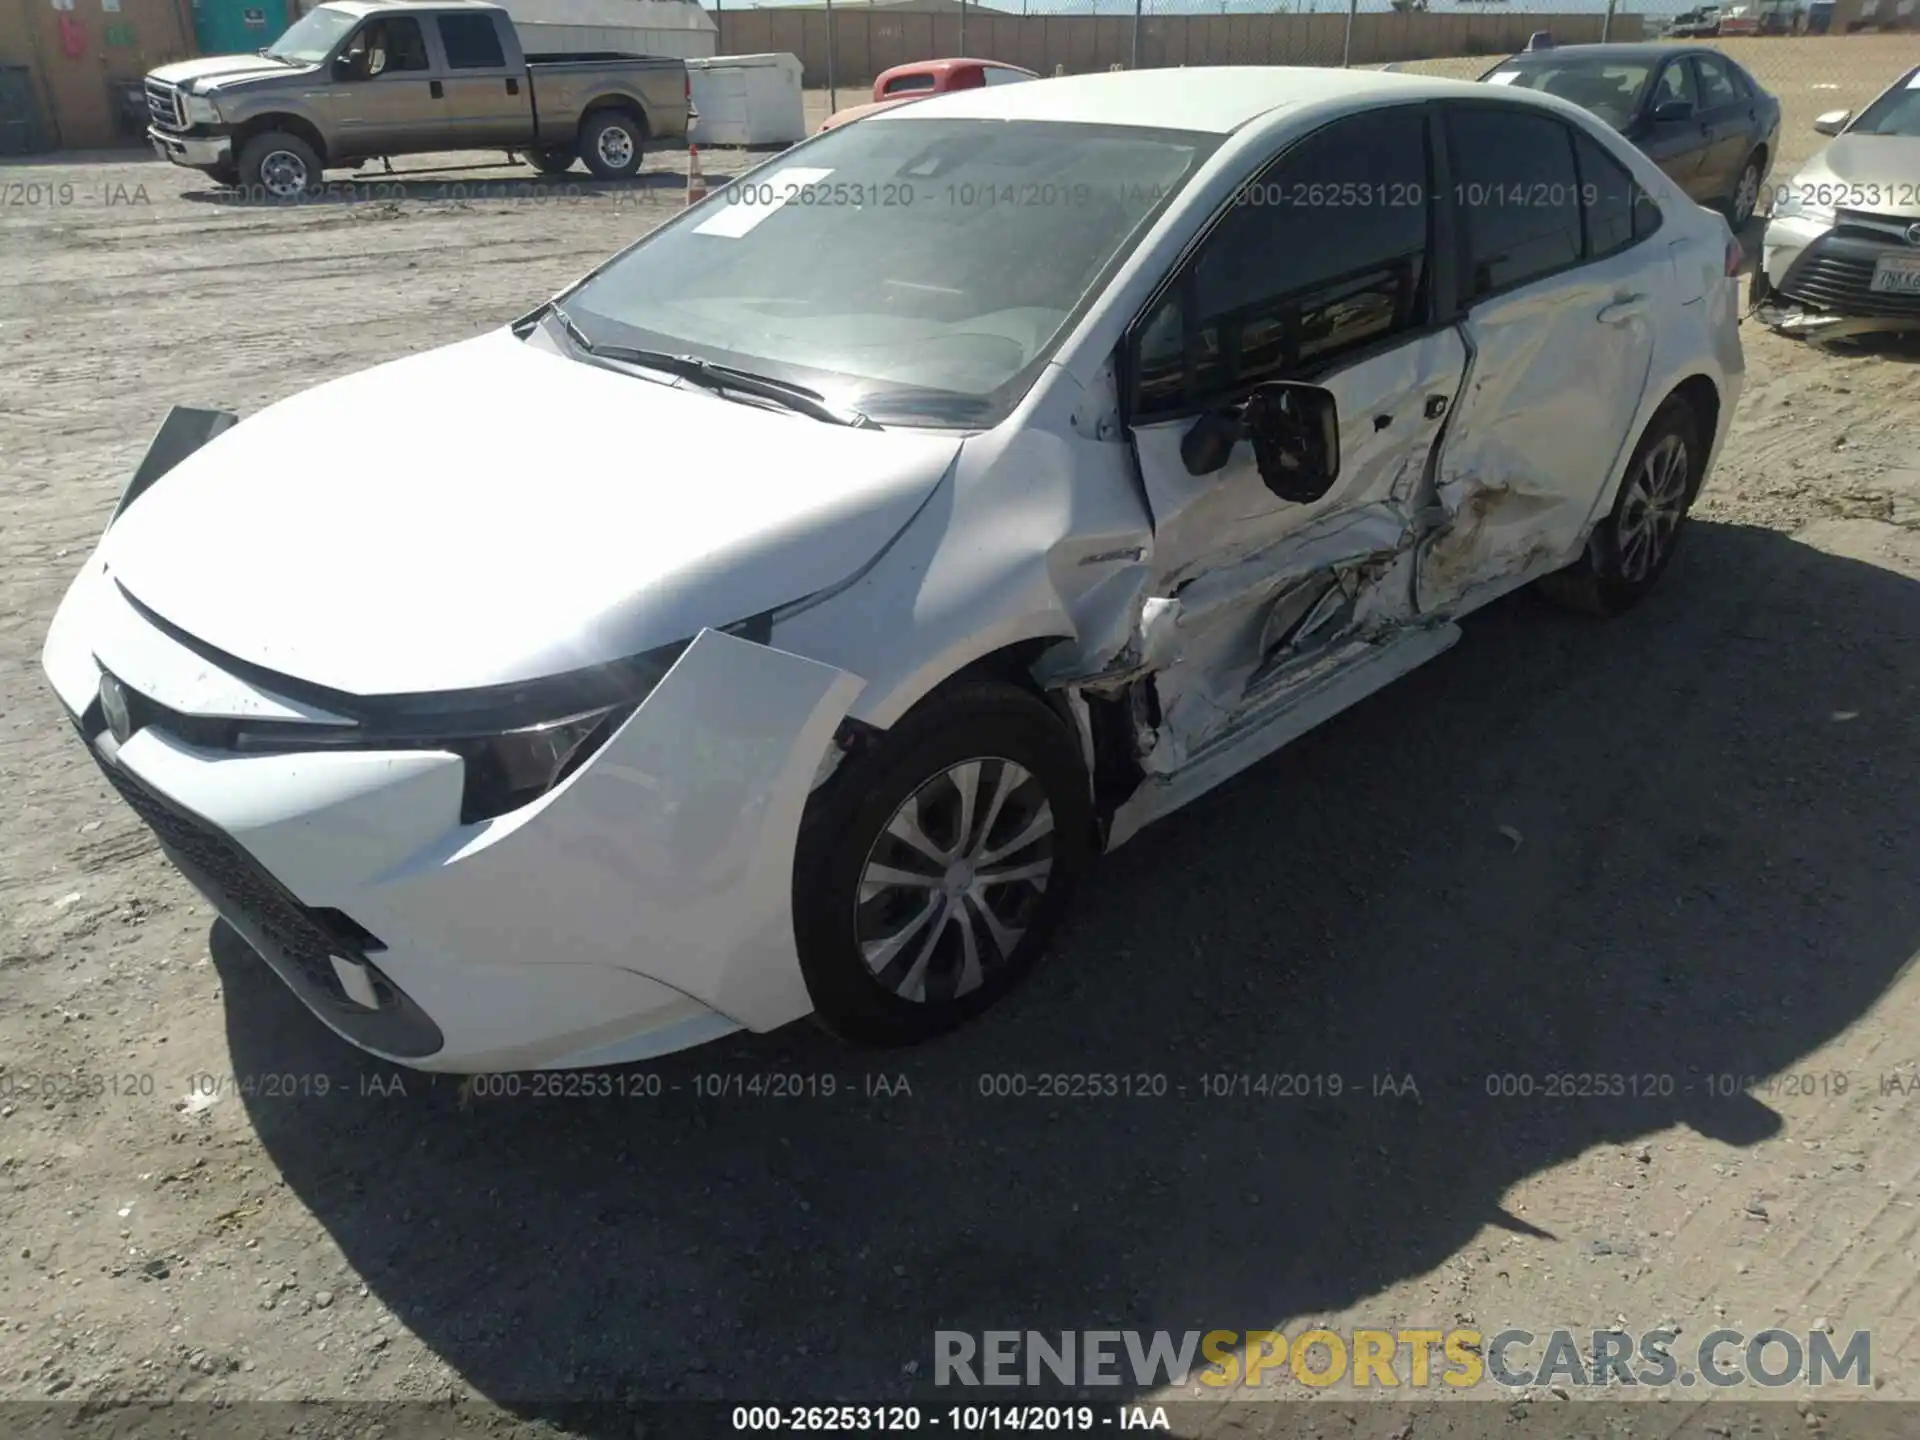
{"x":1393,"y":1359}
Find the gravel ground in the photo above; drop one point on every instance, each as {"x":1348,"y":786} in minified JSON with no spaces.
{"x":1679,"y":845}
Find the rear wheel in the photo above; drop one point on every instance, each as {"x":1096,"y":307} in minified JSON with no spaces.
{"x":553,"y":160}
{"x":611,"y":142}
{"x":1628,"y":550}
{"x":933,"y":869}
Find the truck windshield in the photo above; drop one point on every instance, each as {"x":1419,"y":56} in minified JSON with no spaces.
{"x":310,"y":39}
{"x":1895,"y":113}
{"x":917,"y":270}
{"x":1610,"y":89}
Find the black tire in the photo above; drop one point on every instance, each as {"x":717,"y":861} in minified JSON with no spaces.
{"x":554,"y":160}
{"x":281,"y":165}
{"x":1746,"y":194}
{"x":847,"y":823}
{"x":612,"y":142}
{"x":1613,"y":574}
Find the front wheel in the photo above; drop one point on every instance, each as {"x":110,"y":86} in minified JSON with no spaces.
{"x":934,"y":867}
{"x":1628,"y":550}
{"x":283,"y":166}
{"x":611,"y":143}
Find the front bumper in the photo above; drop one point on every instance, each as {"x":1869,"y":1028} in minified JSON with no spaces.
{"x":641,"y":906}
{"x":198,"y":152}
{"x":1815,"y":277}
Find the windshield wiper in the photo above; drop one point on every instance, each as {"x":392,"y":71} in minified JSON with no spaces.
{"x":718,"y":378}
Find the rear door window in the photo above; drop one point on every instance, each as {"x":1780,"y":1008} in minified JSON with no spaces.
{"x":1518,"y":193}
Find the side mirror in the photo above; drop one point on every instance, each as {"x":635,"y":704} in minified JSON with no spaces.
{"x":1833,"y":122}
{"x":1295,"y":431}
{"x":344,"y":68}
{"x":1671,"y":112}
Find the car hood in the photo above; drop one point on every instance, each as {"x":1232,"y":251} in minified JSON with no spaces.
{"x":1880,"y":168}
{"x":207,"y":73}
{"x":493,"y":512}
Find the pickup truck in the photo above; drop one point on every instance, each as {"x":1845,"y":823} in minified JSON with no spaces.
{"x":355,"y":80}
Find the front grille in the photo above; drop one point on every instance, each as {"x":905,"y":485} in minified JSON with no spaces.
{"x":239,"y":884}
{"x":164,"y":104}
{"x":1834,"y":273}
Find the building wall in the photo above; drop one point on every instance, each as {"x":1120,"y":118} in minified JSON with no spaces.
{"x":75,"y":64}
{"x":865,"y":42}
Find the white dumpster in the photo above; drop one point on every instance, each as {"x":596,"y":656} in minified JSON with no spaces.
{"x":747,"y":100}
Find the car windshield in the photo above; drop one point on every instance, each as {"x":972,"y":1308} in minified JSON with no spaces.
{"x":919,"y":270}
{"x":310,"y":39}
{"x":1895,"y":113}
{"x":1611,"y":89}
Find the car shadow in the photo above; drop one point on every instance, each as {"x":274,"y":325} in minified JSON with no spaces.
{"x":486,"y":183}
{"x":1668,"y":851}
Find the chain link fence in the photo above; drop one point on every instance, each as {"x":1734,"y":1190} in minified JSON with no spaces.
{"x":1817,"y":55}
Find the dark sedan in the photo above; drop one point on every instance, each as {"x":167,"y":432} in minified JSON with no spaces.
{"x":1698,"y":115}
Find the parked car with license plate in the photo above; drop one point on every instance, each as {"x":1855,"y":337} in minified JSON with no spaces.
{"x":918,"y":79}
{"x":1841,"y":252}
{"x":1030,"y":524}
{"x":1702,"y":118}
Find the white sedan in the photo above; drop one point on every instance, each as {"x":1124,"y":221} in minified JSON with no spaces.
{"x":948,"y":499}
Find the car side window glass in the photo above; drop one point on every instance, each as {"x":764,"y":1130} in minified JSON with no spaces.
{"x":1716,"y":85}
{"x":1325,"y":252}
{"x":394,"y":45}
{"x":1518,"y":193}
{"x":471,"y":43}
{"x":901,"y":84}
{"x":1618,"y":211}
{"x":1675,"y":83}
{"x":1001,"y":75}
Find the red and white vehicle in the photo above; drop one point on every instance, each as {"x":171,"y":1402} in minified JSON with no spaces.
{"x":921,"y":78}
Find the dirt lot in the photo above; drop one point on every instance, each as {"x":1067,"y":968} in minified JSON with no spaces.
{"x":1680,"y":845}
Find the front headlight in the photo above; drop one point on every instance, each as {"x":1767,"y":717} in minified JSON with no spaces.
{"x":507,"y":771}
{"x":201,"y":110}
{"x":514,"y":747}
{"x":1801,"y":201}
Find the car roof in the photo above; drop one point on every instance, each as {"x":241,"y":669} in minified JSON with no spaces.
{"x":1216,"y":99}
{"x":1622,"y":50}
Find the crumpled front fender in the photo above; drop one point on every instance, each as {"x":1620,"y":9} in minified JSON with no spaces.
{"x":671,"y":853}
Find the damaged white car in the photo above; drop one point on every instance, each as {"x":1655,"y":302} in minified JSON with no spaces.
{"x":908,"y":523}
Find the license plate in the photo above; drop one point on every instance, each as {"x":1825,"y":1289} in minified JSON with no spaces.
{"x":1897,"y":275}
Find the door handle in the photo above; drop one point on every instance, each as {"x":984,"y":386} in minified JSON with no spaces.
{"x":1436,"y":407}
{"x":513,"y":86}
{"x":1623,"y":309}
{"x":435,"y":89}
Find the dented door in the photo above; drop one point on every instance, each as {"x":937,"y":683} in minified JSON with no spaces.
{"x":1561,"y":350}
{"x":1250,"y":591}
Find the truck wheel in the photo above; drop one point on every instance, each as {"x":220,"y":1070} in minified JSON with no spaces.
{"x":611,"y":141}
{"x":282,"y":165}
{"x":554,"y":160}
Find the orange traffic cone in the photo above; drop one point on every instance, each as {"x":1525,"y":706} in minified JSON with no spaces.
{"x":696,"y":182}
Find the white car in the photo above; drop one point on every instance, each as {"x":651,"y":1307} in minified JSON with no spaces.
{"x":956,"y":494}
{"x":1841,"y":253}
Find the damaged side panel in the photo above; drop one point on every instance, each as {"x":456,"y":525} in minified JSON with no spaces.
{"x":1248,"y":598}
{"x":1557,"y":374}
